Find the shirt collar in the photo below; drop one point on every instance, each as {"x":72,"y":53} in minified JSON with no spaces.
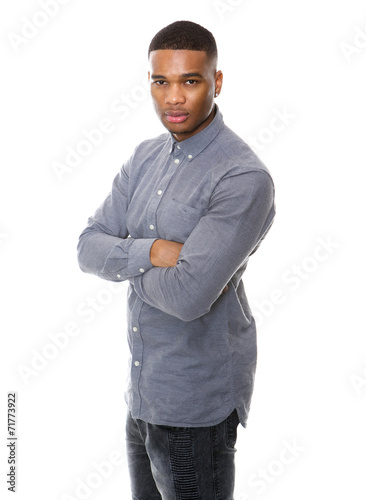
{"x":194,"y":145}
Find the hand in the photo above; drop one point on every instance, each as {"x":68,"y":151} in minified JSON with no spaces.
{"x":164,"y":253}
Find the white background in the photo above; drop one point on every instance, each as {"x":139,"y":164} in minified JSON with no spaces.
{"x":305,"y":60}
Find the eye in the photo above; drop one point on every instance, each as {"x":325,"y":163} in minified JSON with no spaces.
{"x":159,"y":82}
{"x":191,"y":82}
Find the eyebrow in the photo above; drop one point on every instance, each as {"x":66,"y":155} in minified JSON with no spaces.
{"x":189,"y":75}
{"x":184,"y":75}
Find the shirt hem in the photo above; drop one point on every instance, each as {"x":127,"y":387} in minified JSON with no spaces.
{"x":185,"y":424}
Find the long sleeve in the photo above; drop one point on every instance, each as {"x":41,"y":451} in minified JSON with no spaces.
{"x":105,"y":248}
{"x":240,"y":213}
{"x":211,"y":193}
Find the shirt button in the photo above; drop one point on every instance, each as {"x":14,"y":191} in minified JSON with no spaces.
{"x":118,"y":275}
{"x":178,"y":146}
{"x":190,"y":157}
{"x":176,"y":161}
{"x":141,"y":270}
{"x":160,"y":192}
{"x":137,"y":363}
{"x":134,"y":328}
{"x":152,"y":226}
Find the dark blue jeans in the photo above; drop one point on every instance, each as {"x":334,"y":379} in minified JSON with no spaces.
{"x":181,"y":463}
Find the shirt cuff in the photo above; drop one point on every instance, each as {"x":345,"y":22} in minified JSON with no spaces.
{"x":139,"y":256}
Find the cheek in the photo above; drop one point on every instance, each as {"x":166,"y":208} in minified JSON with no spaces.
{"x":210,"y":93}
{"x":205,"y":94}
{"x":203,"y":102}
{"x":157,"y":99}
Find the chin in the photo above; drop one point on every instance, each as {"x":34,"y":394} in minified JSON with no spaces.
{"x":175,"y":128}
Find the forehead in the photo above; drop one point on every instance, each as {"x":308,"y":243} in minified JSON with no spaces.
{"x":179,"y":62}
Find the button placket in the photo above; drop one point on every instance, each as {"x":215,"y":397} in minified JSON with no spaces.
{"x":158,"y":195}
{"x":136,"y":356}
{"x":151,"y":216}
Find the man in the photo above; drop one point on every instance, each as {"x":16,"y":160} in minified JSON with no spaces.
{"x":184,"y":214}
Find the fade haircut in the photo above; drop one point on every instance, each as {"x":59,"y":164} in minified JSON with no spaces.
{"x":185,"y":35}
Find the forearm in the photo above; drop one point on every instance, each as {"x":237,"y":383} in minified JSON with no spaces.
{"x":113,"y":258}
{"x":241,"y":213}
{"x":166,"y":289}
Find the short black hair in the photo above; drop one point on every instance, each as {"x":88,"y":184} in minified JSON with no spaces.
{"x":184,"y":35}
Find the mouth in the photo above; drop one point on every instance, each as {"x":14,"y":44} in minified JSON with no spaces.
{"x":176,"y":116}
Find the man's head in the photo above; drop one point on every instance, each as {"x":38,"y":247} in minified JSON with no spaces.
{"x":185,"y":35}
{"x":184,"y":79}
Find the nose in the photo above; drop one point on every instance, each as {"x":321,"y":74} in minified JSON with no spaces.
{"x":175,"y":95}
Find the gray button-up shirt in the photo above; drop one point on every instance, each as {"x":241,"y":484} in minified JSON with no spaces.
{"x":193,"y":349}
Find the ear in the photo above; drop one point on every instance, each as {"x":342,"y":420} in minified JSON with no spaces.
{"x":218,"y":82}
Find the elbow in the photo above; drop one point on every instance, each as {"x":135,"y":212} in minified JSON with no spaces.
{"x":83,"y":256}
{"x":82,"y":264}
{"x":188,"y":317}
{"x":190,"y":305}
{"x":80,"y":256}
{"x":191,"y":311}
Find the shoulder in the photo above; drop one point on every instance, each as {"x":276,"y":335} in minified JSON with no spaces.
{"x":241,"y":177}
{"x":142,"y":154}
{"x":150,"y":146}
{"x":238,"y":153}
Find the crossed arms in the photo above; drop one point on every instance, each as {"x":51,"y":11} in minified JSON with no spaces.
{"x":182,"y":280}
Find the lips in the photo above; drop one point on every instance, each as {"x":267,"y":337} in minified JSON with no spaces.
{"x":176,"y":116}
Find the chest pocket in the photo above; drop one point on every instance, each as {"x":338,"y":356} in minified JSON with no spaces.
{"x":176,"y":221}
